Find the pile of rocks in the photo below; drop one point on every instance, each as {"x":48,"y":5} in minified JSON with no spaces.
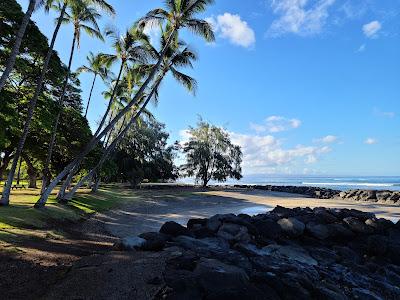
{"x":299,"y":253}
{"x":371,"y":195}
{"x":314,"y":192}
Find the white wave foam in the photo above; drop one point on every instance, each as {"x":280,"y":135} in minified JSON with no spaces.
{"x":350,"y":184}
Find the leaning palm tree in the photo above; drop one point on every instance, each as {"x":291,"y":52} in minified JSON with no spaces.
{"x":177,"y":56}
{"x":119,"y":92}
{"x":180,"y":14}
{"x":33,"y":4}
{"x":130,"y":48}
{"x":84,"y":18}
{"x":61,"y":7}
{"x":96,"y":67}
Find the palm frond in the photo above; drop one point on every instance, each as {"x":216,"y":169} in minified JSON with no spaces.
{"x":201,"y":28}
{"x":188,"y":82}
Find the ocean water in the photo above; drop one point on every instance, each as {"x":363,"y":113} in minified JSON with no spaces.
{"x":332,"y":182}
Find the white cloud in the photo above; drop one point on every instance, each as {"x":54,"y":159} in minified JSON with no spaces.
{"x":370,"y":141}
{"x":300,"y":17}
{"x":266,"y":154}
{"x":329,"y":139}
{"x":275,"y":124}
{"x":361,"y":48}
{"x":233,"y":28}
{"x":371,"y":29}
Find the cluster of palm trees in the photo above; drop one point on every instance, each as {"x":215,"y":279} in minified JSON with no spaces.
{"x":141,"y":70}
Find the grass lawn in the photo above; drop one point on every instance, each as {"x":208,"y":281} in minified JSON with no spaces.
{"x":20,"y":219}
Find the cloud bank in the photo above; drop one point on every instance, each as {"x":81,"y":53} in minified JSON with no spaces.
{"x":300,"y":17}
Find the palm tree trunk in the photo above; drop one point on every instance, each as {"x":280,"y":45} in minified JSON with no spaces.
{"x":110,"y":149}
{"x":111,"y":99}
{"x":46,"y":168}
{"x":32,"y":172}
{"x":19,"y":171}
{"x":95,"y":140}
{"x":32,"y":104}
{"x":18,"y":40}
{"x":68,"y":180}
{"x":90,"y":95}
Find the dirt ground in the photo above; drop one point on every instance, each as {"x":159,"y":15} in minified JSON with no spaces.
{"x":83,"y":265}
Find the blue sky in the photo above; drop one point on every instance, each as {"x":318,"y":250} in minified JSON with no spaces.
{"x":305,"y":87}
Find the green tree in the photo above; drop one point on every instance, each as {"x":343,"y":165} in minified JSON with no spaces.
{"x":83,"y":17}
{"x":181,"y":14}
{"x":18,"y":40}
{"x":177,"y":56}
{"x":211,"y":155}
{"x":62,"y":6}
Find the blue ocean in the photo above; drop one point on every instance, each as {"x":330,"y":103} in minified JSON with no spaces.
{"x":332,"y":182}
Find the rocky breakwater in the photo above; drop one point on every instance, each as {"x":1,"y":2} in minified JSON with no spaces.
{"x":391,"y":197}
{"x":299,"y":253}
{"x":314,"y":192}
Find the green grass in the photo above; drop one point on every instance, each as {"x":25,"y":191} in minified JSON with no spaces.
{"x":21,"y":215}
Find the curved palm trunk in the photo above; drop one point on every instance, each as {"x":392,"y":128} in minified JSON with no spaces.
{"x":109,"y":150}
{"x":111,"y":99}
{"x":95,"y":140}
{"x":18,"y":40}
{"x":90,"y":95}
{"x":68,"y":180}
{"x":46,"y":168}
{"x":32,"y":105}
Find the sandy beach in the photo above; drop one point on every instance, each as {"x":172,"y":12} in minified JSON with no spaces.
{"x":151,"y":208}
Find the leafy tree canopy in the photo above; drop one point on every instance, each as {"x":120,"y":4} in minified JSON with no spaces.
{"x":210,"y":155}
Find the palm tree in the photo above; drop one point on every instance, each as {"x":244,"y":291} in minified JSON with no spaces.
{"x":181,"y":14}
{"x":83,"y":17}
{"x":177,"y":56}
{"x":121,"y":94}
{"x":62,"y":7}
{"x":33,"y":4}
{"x":132,"y":47}
{"x":97,"y":68}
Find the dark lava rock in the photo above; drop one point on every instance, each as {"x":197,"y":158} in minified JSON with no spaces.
{"x":318,"y":231}
{"x":379,"y":225}
{"x":291,"y":226}
{"x":377,"y":245}
{"x":155,"y":241}
{"x":358,"y":226}
{"x":338,"y":254}
{"x":267,"y":230}
{"x":233,"y":233}
{"x":174,"y":229}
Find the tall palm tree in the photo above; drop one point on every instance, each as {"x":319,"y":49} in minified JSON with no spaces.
{"x":62,"y":7}
{"x":180,"y":14}
{"x":83,"y":17}
{"x":120,"y":94}
{"x":178,"y":56}
{"x":96,"y":67}
{"x":132,"y":47}
{"x":33,"y":4}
